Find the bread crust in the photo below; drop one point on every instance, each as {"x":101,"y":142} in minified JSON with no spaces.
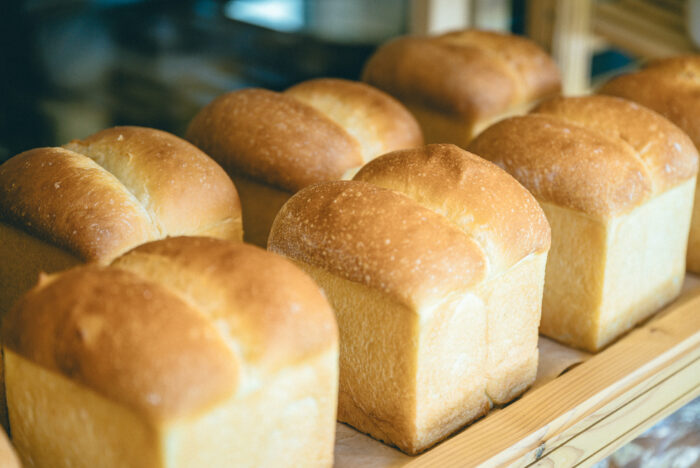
{"x":378,"y":238}
{"x":313,"y":132}
{"x":669,"y":86}
{"x":476,"y":195}
{"x":596,"y":154}
{"x":273,"y":137}
{"x":167,"y":329}
{"x":470,"y":74}
{"x":118,"y":188}
{"x":376,"y":120}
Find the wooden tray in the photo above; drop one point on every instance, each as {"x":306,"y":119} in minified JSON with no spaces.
{"x":580,"y":416}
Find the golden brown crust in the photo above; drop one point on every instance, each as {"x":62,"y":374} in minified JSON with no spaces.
{"x":125,"y":337}
{"x":378,"y":238}
{"x":472,"y":74}
{"x":276,"y":313}
{"x":66,"y":199}
{"x":667,"y":153}
{"x":274,"y":138}
{"x":116,"y":189}
{"x":604,"y":168}
{"x":183,"y":190}
{"x":536,"y":73}
{"x":167,"y":328}
{"x":482,"y":199}
{"x":669,"y":86}
{"x":376,"y":120}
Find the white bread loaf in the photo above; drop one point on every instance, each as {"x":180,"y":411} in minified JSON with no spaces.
{"x":273,"y":144}
{"x":186,"y":352}
{"x":670,"y":87}
{"x":458,"y":83}
{"x":94,"y":199}
{"x":616,"y":181}
{"x":437,"y":290}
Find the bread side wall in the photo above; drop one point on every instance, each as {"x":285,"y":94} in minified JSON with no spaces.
{"x":452,"y":374}
{"x":378,"y":359}
{"x":58,"y":423}
{"x":646,"y":260}
{"x":514,"y":301}
{"x":573,"y":285}
{"x":289,"y":421}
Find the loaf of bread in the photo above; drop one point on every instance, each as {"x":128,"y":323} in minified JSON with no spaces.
{"x":617,"y":182}
{"x":185,"y":352}
{"x":671,"y":87}
{"x":458,"y":83}
{"x":437,"y":290}
{"x":94,"y":199}
{"x":273,"y":144}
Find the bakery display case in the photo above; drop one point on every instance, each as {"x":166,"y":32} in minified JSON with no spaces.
{"x":332,"y":79}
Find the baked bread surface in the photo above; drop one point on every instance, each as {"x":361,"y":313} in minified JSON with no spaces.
{"x":456,"y":82}
{"x":313,"y":132}
{"x":123,"y":186}
{"x":436,"y":322}
{"x":670,"y":87}
{"x":184,"y":335}
{"x":615,"y":180}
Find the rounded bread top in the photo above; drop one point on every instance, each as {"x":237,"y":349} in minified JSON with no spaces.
{"x":313,"y":132}
{"x":175,"y":326}
{"x":600,"y":155}
{"x":118,"y":188}
{"x":274,"y":138}
{"x":471,"y":73}
{"x":376,"y":120}
{"x":669,"y":86}
{"x":480,"y":198}
{"x":379,"y":238}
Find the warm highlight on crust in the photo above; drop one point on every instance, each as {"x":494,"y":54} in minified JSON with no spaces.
{"x":378,"y":238}
{"x":181,"y":187}
{"x":599,"y":155}
{"x":313,"y":132}
{"x":286,"y":319}
{"x":118,"y":188}
{"x":376,"y":120}
{"x":51,"y":193}
{"x":669,"y":86}
{"x":477,"y":196}
{"x":167,"y":328}
{"x":473,"y":74}
{"x":125,"y":337}
{"x":667,"y":153}
{"x":274,"y":138}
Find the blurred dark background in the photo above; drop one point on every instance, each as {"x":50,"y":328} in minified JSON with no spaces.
{"x":71,"y":67}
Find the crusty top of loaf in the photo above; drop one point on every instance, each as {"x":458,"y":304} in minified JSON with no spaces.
{"x":597,"y":154}
{"x":669,"y":86}
{"x":477,"y":196}
{"x":473,"y":74}
{"x":376,"y":120}
{"x":313,"y":132}
{"x":174,"y":326}
{"x":379,"y":238}
{"x":116,"y":189}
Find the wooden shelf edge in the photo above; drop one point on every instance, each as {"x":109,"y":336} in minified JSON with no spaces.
{"x":579,"y":399}
{"x":628,"y":420}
